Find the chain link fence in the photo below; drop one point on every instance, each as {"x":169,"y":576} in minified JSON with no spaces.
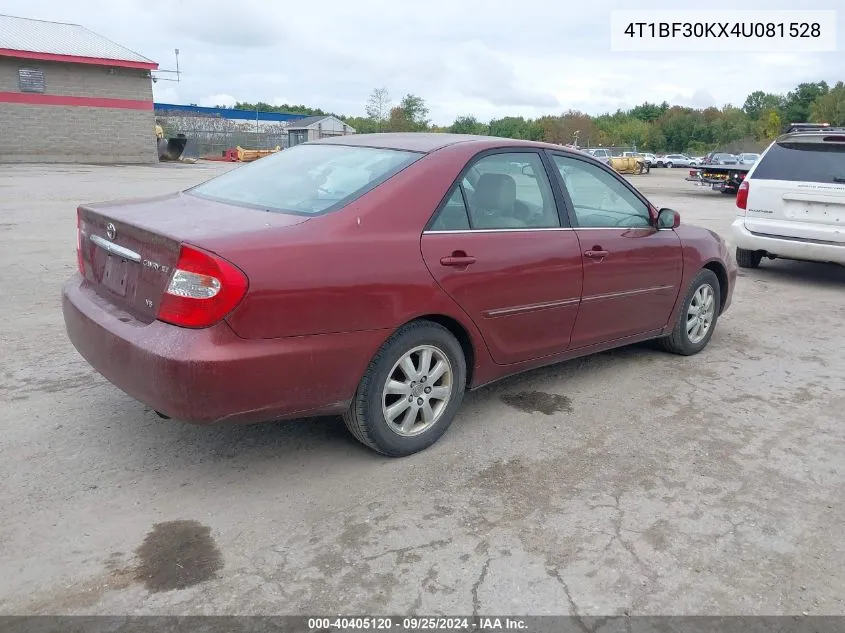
{"x":213,"y":135}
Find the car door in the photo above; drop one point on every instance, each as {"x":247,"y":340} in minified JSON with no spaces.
{"x":632,"y":270}
{"x":498,"y":247}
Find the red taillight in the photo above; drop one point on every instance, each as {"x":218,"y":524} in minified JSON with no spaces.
{"x":203,"y":289}
{"x":80,"y":260}
{"x":742,"y":197}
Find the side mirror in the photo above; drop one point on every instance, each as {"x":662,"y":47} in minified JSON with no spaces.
{"x":668,"y":219}
{"x":528,"y":170}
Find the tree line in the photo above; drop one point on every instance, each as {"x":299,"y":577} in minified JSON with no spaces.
{"x":648,"y":127}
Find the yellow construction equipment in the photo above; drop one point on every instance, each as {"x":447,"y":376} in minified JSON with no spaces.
{"x":247,"y":155}
{"x":629,"y":164}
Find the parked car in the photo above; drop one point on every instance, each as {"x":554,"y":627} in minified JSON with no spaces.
{"x":748,"y":158}
{"x":603,"y":155}
{"x":720,"y":158}
{"x":675,"y":160}
{"x":792,"y":202}
{"x":431,"y":264}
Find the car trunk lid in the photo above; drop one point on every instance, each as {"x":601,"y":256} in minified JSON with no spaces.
{"x":128,"y":250}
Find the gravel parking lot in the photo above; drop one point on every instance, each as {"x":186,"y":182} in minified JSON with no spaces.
{"x":632,"y":481}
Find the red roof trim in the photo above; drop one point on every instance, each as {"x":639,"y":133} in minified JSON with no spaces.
{"x":75,"y":59}
{"x":34,"y":98}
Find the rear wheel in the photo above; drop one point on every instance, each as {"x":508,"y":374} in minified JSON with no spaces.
{"x":411,"y":391}
{"x":748,"y":259}
{"x":669,"y":165}
{"x":697,"y":318}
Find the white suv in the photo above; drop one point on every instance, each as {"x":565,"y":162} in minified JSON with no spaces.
{"x":792,"y":202}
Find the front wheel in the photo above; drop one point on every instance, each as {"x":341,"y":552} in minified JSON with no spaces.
{"x":697,"y":318}
{"x":411,"y":391}
{"x":669,"y":165}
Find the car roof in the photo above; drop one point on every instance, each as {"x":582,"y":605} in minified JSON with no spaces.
{"x":814,"y":136}
{"x":431,"y":141}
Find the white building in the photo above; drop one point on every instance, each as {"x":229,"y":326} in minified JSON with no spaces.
{"x":316,"y":127}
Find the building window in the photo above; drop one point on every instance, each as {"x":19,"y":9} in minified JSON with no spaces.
{"x":31,"y":80}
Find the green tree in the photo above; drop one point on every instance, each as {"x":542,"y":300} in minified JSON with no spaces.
{"x":796,"y":104}
{"x":830,"y":107}
{"x":769,"y":125}
{"x":362,"y":125}
{"x":648,"y":111}
{"x":516,"y":127}
{"x":655,"y":141}
{"x":468,"y":125}
{"x":759,"y":101}
{"x":568,"y":128}
{"x":284,"y":108}
{"x":415,"y":111}
{"x":733,"y":124}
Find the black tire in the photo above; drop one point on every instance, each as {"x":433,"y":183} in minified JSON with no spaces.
{"x":748,"y":259}
{"x":669,"y":165}
{"x":365,"y":418}
{"x":678,"y":341}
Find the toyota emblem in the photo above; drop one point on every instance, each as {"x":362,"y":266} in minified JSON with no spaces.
{"x":110,"y":231}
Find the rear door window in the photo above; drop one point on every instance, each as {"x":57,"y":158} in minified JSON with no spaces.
{"x":509,"y":191}
{"x":803,"y":162}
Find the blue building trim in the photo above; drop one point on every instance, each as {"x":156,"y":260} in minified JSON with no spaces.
{"x":224,"y":113}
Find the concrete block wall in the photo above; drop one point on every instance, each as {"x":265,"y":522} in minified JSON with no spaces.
{"x":77,"y":133}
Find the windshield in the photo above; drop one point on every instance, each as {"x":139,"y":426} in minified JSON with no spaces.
{"x":805,"y":162}
{"x":307,"y":179}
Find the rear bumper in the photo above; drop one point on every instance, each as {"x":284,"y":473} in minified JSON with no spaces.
{"x":786,"y":247}
{"x":212,"y":375}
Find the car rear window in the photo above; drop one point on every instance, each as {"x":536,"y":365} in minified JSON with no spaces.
{"x":307,"y":179}
{"x":805,"y":162}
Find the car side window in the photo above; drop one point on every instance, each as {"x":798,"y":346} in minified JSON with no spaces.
{"x":509,"y":191}
{"x":453,"y":215}
{"x":598,"y":198}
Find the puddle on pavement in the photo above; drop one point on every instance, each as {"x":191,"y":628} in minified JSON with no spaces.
{"x":176,"y":555}
{"x":538,"y":402}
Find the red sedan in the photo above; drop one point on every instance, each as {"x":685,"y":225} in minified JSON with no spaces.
{"x":379,"y":277}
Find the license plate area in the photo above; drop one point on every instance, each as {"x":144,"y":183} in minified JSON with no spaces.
{"x":115,"y":275}
{"x":817,"y":212}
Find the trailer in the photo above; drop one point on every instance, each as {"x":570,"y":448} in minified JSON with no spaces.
{"x":724,"y":178}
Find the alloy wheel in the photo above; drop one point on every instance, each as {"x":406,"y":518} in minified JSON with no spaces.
{"x":702,"y":309}
{"x":417,"y":391}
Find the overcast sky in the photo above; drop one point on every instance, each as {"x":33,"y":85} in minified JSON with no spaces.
{"x":488,"y":58}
